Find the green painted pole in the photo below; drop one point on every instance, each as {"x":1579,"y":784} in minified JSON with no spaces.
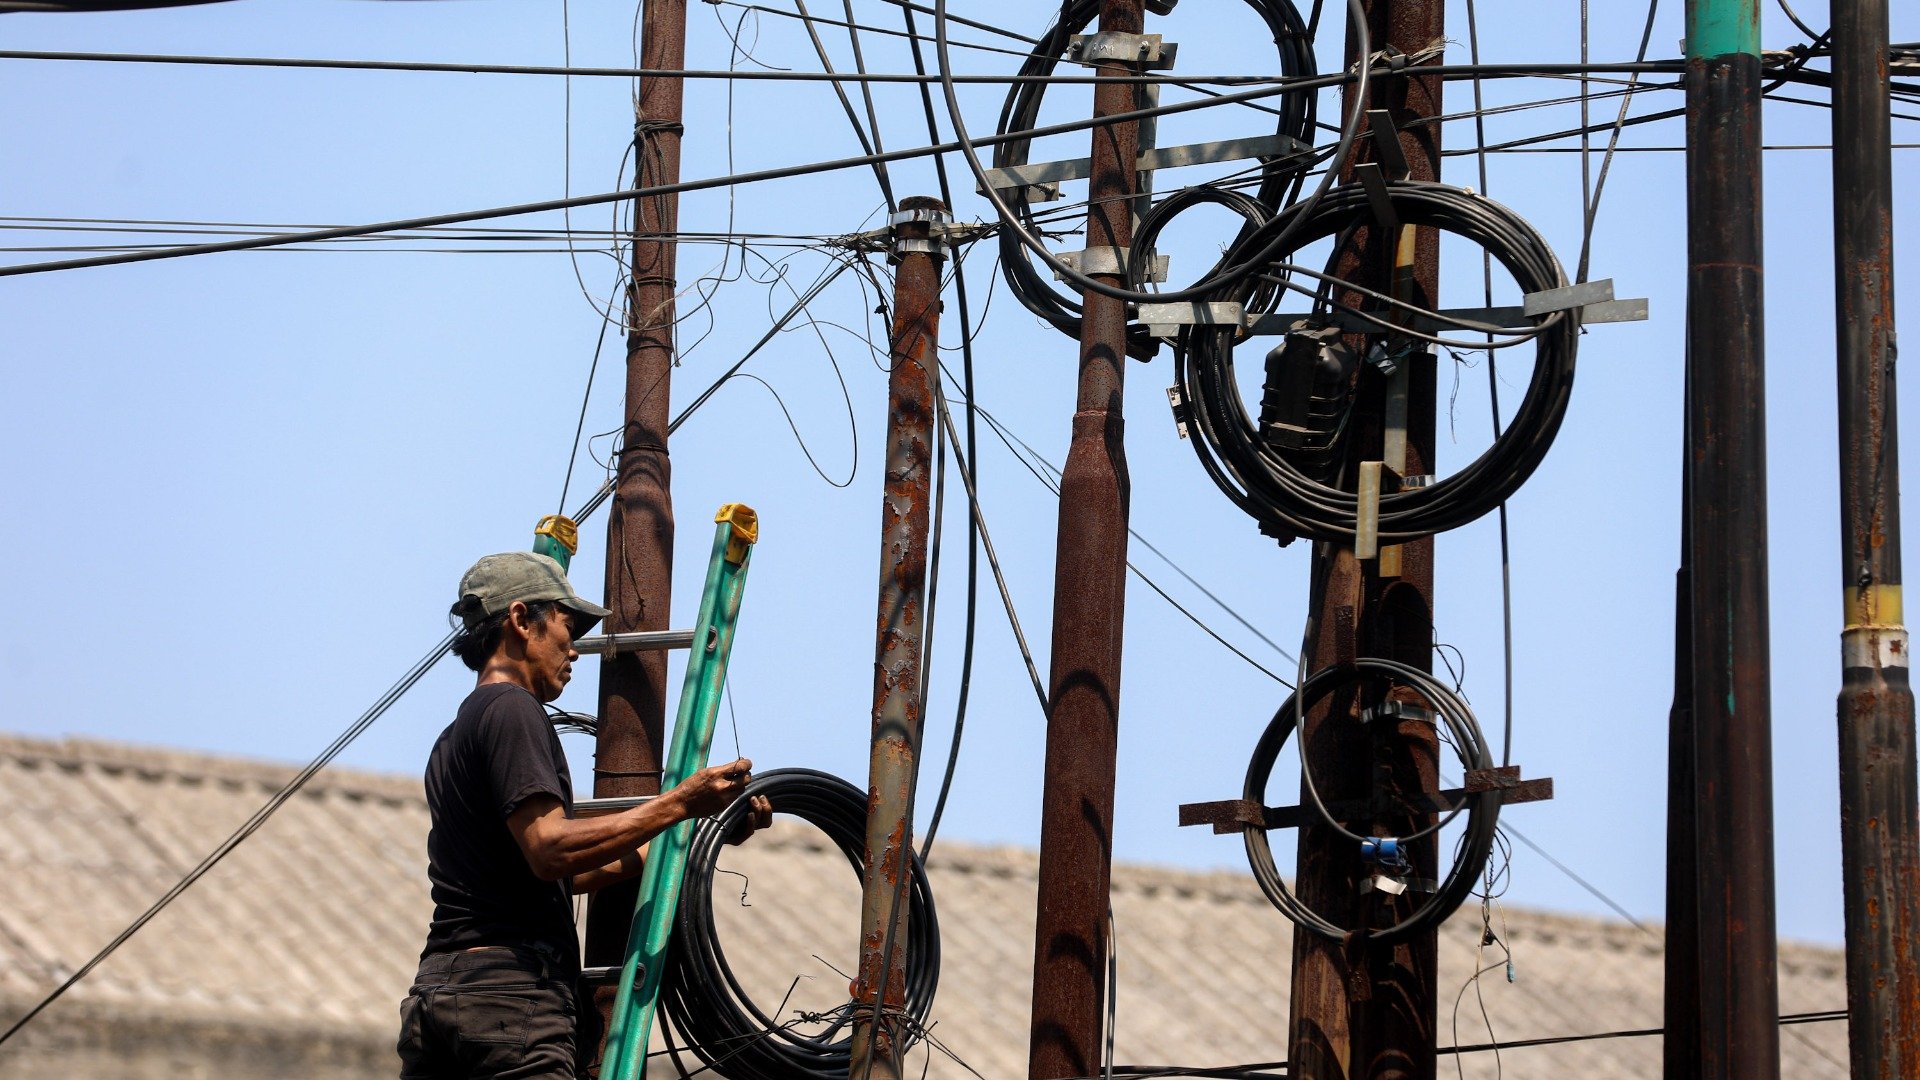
{"x":733,"y":540}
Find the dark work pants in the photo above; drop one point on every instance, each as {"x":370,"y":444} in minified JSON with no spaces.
{"x":496,"y":1013}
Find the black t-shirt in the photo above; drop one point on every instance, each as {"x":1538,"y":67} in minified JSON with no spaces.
{"x":500,"y":750}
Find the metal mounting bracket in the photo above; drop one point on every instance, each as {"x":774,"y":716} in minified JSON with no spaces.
{"x":1549,"y":301}
{"x":1042,"y":179}
{"x":644,"y":641}
{"x":1110,"y":261}
{"x":1398,"y":710}
{"x":1386,"y":144}
{"x":1109,"y":47}
{"x":1239,"y":815}
{"x":1373,"y":178}
{"x":1165,"y":320}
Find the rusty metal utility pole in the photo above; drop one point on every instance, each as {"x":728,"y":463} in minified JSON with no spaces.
{"x":1879,"y":803}
{"x":918,"y":252}
{"x":1089,"y":607}
{"x":1364,"y":1010}
{"x":1737,"y":999}
{"x":633,"y":685}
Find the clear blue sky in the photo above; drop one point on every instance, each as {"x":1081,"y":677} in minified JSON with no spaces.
{"x":242,"y":487}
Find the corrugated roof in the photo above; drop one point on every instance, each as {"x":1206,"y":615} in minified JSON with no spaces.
{"x":315,"y":924}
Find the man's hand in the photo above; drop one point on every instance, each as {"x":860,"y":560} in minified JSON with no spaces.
{"x":759,"y":816}
{"x":713,"y":789}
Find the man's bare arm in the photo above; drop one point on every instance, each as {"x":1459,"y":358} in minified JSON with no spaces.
{"x":557,"y":846}
{"x":759,"y":817}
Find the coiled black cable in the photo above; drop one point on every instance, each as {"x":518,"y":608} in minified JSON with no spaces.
{"x":703,"y":998}
{"x":1286,"y":501}
{"x":1482,"y":808}
{"x":1280,"y":177}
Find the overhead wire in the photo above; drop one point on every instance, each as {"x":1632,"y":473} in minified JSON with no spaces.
{"x":775,"y":173}
{"x":850,"y":24}
{"x":1050,"y":479}
{"x":1010,"y":220}
{"x":869,"y":145}
{"x":366,"y":720}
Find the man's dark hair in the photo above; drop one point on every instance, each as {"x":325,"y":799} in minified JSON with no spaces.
{"x":477,"y":644}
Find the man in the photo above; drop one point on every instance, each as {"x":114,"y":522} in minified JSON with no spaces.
{"x":494,"y":996}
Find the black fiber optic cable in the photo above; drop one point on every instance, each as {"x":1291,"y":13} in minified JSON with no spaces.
{"x":1280,"y":178}
{"x":968,"y":147}
{"x":1481,"y":808}
{"x":1280,"y":182}
{"x":1278,"y":494}
{"x":702,"y":995}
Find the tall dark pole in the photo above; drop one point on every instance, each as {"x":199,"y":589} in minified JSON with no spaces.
{"x":1879,"y":803}
{"x":1364,"y":1010}
{"x":1738,"y":1000}
{"x":633,"y":686}
{"x":1089,"y":601}
{"x":893,"y":768}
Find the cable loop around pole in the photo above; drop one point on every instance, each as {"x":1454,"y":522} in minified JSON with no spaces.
{"x":1482,"y":808}
{"x":1264,"y":483}
{"x":1280,"y":178}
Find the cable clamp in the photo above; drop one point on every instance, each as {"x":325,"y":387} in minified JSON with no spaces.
{"x":1111,"y":262}
{"x":948,"y":232}
{"x":925,"y":213}
{"x":1111,"y":46}
{"x":1398,"y":710}
{"x":914,"y":246}
{"x":1398,"y":884}
{"x":1177,"y":398}
{"x":1386,"y":853}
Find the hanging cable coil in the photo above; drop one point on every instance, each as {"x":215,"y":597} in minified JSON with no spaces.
{"x":702,"y":996}
{"x":1280,"y":177}
{"x":1287,"y":502}
{"x":1482,"y":808}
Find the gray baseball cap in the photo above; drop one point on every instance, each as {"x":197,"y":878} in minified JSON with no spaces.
{"x":493,"y":584}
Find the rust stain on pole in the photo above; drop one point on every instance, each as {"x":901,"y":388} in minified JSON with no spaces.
{"x":1089,"y":600}
{"x":1879,"y":798}
{"x":897,"y":672}
{"x":1360,"y":1010}
{"x":639,"y":589}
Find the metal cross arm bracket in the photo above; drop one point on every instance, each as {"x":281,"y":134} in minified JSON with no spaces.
{"x":1042,"y":179}
{"x":1112,"y":262}
{"x":947,"y":233}
{"x":1166,"y":320}
{"x":1237,"y":815}
{"x":644,"y":641}
{"x":1112,"y":47}
{"x":1230,"y":816}
{"x":1506,"y":780}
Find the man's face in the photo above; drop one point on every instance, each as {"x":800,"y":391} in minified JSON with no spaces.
{"x":550,"y":654}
